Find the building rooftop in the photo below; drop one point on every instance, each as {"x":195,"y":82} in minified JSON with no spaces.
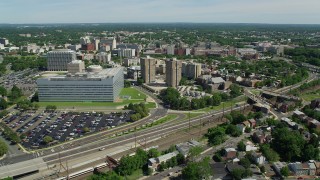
{"x":166,"y":157}
{"x":87,"y":76}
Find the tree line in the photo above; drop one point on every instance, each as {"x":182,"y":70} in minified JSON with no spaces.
{"x":171,"y":97}
{"x":140,"y":111}
{"x":25,"y":62}
{"x":304,"y":54}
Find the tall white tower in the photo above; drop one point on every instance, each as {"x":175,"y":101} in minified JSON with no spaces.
{"x":114,"y":43}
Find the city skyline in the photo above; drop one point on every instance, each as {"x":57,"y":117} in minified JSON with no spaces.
{"x":143,"y":11}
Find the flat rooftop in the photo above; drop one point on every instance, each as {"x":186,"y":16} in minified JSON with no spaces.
{"x":99,"y":75}
{"x":21,"y":168}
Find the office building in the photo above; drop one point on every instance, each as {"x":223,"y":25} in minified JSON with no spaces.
{"x":103,"y":85}
{"x":58,"y":59}
{"x":76,"y":66}
{"x":191,"y":70}
{"x":103,"y":57}
{"x":148,"y":69}
{"x":126,"y":52}
{"x":85,"y":40}
{"x":112,"y":42}
{"x":173,"y":72}
{"x":170,"y":50}
{"x":97,"y":44}
{"x":4,"y":41}
{"x":131,"y":62}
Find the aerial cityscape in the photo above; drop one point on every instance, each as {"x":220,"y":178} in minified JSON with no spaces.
{"x":159,"y":90}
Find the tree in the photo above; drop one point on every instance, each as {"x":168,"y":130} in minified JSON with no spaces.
{"x":3,"y":103}
{"x":245,"y":162}
{"x":162,"y":166}
{"x":180,"y":159}
{"x":285,"y":171}
{"x":216,"y":98}
{"x":289,"y":144}
{"x":127,"y":84}
{"x":262,"y":169}
{"x":194,"y":152}
{"x":235,"y":90}
{"x":47,"y":139}
{"x":241,"y":146}
{"x":3,"y":148}
{"x":269,"y":153}
{"x":15,"y":93}
{"x":140,"y":81}
{"x":149,"y":171}
{"x":237,"y":173}
{"x":3,"y":91}
{"x":216,"y":135}
{"x":233,"y":130}
{"x":153,"y":153}
{"x":197,"y":170}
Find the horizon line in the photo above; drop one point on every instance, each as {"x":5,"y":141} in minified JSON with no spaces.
{"x":52,"y":23}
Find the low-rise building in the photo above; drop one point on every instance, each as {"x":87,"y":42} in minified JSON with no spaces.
{"x":153,"y":163}
{"x":299,"y":168}
{"x":278,"y":166}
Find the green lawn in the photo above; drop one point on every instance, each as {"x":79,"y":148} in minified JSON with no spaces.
{"x":192,"y":115}
{"x":135,"y":94}
{"x":151,"y":105}
{"x":255,"y":91}
{"x":135,"y":175}
{"x":87,"y":104}
{"x":311,"y":95}
{"x":226,"y":104}
{"x":165,"y":119}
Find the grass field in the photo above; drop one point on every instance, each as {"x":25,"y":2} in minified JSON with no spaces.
{"x":135,"y":175}
{"x":192,"y":115}
{"x":165,"y":119}
{"x":225,"y":104}
{"x":135,"y":94}
{"x":311,"y":95}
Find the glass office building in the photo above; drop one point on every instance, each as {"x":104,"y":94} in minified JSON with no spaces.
{"x":103,"y":85}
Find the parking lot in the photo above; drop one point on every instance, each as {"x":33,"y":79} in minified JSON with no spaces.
{"x":22,"y":79}
{"x":61,"y":126}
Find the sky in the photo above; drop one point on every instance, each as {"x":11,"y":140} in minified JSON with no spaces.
{"x":197,"y":11}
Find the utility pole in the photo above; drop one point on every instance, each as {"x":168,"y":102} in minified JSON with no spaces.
{"x":135,"y":139}
{"x":200,"y":127}
{"x":189,"y":123}
{"x":222,"y":111}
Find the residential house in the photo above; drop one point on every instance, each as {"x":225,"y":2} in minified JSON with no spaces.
{"x":184,"y":148}
{"x":253,"y":123}
{"x":317,"y":164}
{"x":259,"y":137}
{"x":261,"y":107}
{"x":299,"y":168}
{"x":246,"y":124}
{"x":230,"y":153}
{"x":286,"y":106}
{"x":278,"y":166}
{"x":315,"y":103}
{"x":259,"y":158}
{"x":312,"y":168}
{"x":232,"y":166}
{"x":241,"y":127}
{"x":153,"y":163}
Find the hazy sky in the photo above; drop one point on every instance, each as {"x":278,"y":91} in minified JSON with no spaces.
{"x":104,"y":11}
